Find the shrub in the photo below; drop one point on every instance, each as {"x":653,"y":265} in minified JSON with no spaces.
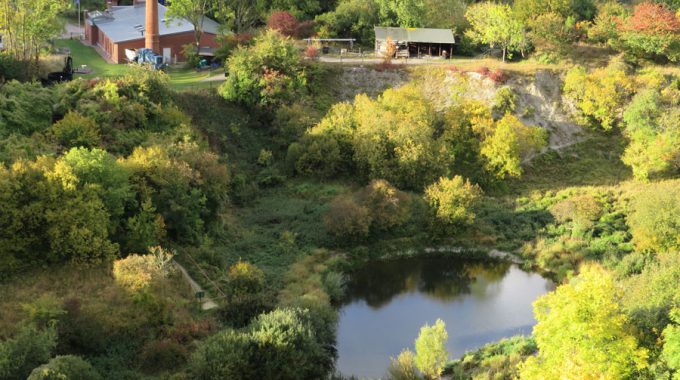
{"x":267,"y":73}
{"x":225,"y":355}
{"x":347,"y":220}
{"x":25,"y":108}
{"x":29,"y":348}
{"x":76,"y":130}
{"x":164,"y":354}
{"x":388,"y":207}
{"x":498,"y":76}
{"x":505,"y":101}
{"x":137,"y":272}
{"x":655,"y":217}
{"x":403,"y":367}
{"x":453,"y":200}
{"x":311,"y":52}
{"x":67,"y":367}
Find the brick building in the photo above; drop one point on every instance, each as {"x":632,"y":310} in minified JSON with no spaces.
{"x":124,"y":27}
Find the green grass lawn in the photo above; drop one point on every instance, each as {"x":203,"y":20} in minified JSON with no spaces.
{"x":86,"y":55}
{"x":180,"y":79}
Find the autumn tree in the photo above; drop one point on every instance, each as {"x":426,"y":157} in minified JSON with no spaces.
{"x":653,"y":30}
{"x":671,"y":346}
{"x":495,"y":25}
{"x":583,"y":331}
{"x":284,"y":23}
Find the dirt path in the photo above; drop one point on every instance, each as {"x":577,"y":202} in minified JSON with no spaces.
{"x":207,"y":302}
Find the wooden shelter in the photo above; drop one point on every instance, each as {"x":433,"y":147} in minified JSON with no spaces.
{"x":415,"y":42}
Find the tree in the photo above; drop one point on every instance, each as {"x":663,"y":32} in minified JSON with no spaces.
{"x":671,"y":346}
{"x":452,"y":200}
{"x":347,"y":220}
{"x":136,"y":273}
{"x":195,"y":12}
{"x":284,"y":23}
{"x":351,"y":18}
{"x":29,"y":348}
{"x":390,"y":50}
{"x":655,"y":218}
{"x":431,"y":354}
{"x":266,"y":73}
{"x":599,"y":95}
{"x":605,"y":24}
{"x":652,"y":30}
{"x":527,"y":10}
{"x":65,"y":367}
{"x":551,"y":32}
{"x":404,"y":13}
{"x":509,"y":144}
{"x":27,"y":25}
{"x":241,"y":14}
{"x":583,"y":331}
{"x":495,"y":25}
{"x":651,"y":126}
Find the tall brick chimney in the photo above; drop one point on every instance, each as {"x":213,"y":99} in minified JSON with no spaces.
{"x":152,"y":38}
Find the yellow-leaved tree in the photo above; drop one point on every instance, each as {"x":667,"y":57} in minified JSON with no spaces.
{"x":583,"y":333}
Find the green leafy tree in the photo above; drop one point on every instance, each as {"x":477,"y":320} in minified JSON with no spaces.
{"x":495,"y":25}
{"x":527,"y":10}
{"x":605,"y":24}
{"x":25,"y":108}
{"x":651,"y":125}
{"x":351,"y":18}
{"x":27,"y":25}
{"x":583,"y":331}
{"x":195,"y":11}
{"x":65,"y":367}
{"x":671,"y":346}
{"x":266,"y":73}
{"x":431,"y":354}
{"x":404,"y":13}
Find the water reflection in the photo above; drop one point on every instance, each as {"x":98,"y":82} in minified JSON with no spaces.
{"x":389,"y":301}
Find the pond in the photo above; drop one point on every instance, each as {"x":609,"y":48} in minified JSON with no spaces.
{"x":388,"y":302}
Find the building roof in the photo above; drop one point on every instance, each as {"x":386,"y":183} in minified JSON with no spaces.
{"x":438,"y":36}
{"x":127,"y":23}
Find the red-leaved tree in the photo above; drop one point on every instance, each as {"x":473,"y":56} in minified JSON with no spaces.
{"x":653,"y":31}
{"x":651,"y":18}
{"x":284,"y":23}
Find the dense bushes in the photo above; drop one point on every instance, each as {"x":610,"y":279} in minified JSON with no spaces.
{"x":282,"y":344}
{"x":74,"y":208}
{"x":378,"y":207}
{"x":267,"y":73}
{"x":28,"y":349}
{"x":600,"y":95}
{"x":65,"y":367}
{"x":400,"y":137}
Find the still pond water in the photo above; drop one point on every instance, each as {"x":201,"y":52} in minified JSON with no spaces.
{"x":389,"y":301}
